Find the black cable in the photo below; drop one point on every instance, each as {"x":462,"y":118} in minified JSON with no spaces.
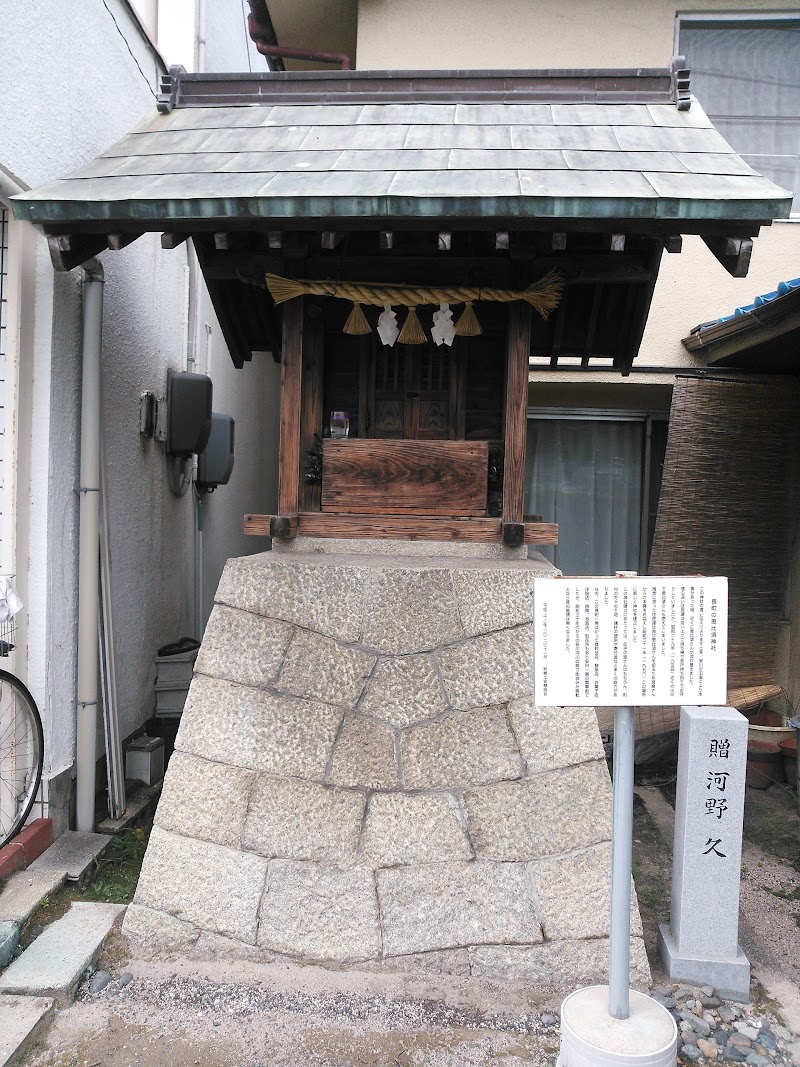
{"x":127,"y":45}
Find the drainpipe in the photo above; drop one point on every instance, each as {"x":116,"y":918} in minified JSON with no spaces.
{"x":89,"y":543}
{"x":261,"y":31}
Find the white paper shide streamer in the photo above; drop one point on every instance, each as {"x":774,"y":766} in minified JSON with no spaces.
{"x":388,"y":330}
{"x":444,"y":330}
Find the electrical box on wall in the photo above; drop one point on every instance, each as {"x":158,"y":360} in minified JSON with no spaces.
{"x":188,"y":413}
{"x":215,"y":462}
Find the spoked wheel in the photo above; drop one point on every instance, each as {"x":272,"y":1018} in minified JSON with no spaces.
{"x":21,"y":755}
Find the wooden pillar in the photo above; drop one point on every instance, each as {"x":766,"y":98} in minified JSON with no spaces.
{"x":291,"y":393}
{"x":311,"y":415}
{"x":516,"y":423}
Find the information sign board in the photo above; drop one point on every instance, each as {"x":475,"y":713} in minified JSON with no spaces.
{"x":630,"y":641}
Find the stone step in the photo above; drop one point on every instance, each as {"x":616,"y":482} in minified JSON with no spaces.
{"x":20,"y":1019}
{"x":53,"y":964}
{"x":24,"y":892}
{"x":70,"y":858}
{"x":74,"y":853}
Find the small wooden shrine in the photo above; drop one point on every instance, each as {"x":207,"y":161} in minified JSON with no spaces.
{"x":405,"y":243}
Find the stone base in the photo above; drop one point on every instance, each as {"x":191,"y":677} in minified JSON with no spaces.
{"x":361,"y":778}
{"x":729,"y":977}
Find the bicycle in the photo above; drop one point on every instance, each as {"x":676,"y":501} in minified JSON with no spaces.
{"x":21,"y":736}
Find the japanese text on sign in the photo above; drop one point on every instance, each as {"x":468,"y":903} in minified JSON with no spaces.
{"x":630,"y":641}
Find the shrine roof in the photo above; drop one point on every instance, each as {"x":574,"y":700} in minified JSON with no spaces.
{"x":360,"y":146}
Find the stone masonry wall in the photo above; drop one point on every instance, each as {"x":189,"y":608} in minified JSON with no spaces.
{"x":361,"y":778}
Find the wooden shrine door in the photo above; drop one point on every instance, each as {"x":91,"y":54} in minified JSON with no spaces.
{"x":413,"y":392}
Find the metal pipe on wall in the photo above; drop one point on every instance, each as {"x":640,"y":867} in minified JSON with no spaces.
{"x":92,"y":281}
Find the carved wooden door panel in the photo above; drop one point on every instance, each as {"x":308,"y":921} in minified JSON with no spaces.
{"x":412,"y":392}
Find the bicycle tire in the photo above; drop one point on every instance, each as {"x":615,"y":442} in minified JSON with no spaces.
{"x":21,"y":755}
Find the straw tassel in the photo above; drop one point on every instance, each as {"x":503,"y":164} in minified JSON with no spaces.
{"x":468,"y":325}
{"x":357,"y":321}
{"x":412,"y":332}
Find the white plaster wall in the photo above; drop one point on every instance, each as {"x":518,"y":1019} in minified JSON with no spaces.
{"x":526,"y":34}
{"x":75,"y":79}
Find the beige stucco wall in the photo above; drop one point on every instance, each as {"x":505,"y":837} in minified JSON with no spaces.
{"x":507,"y":34}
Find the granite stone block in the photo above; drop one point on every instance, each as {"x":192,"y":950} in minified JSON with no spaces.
{"x":315,"y":592}
{"x":242,"y":646}
{"x":410,"y":610}
{"x":204,"y":799}
{"x":252,"y":729}
{"x":320,"y":912}
{"x":413,"y":828}
{"x":320,"y":668}
{"x":452,"y":905}
{"x":466,"y":749}
{"x":404,"y":690}
{"x":543,"y":816}
{"x":550,"y":738}
{"x":364,"y":756}
{"x":293,"y":819}
{"x":557,"y":965}
{"x":496,"y":598}
{"x":492,"y":669}
{"x":157,"y":931}
{"x":207,"y":885}
{"x":573,"y":894}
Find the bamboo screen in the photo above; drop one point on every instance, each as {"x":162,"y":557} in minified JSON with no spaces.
{"x":728,"y":507}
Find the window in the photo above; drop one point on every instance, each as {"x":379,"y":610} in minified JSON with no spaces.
{"x":597,"y":474}
{"x":745,"y":71}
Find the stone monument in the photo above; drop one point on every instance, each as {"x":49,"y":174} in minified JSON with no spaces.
{"x":701,"y":942}
{"x":361,"y":776}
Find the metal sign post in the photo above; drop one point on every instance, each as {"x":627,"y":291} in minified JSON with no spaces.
{"x":619,"y":948}
{"x":626,"y":642}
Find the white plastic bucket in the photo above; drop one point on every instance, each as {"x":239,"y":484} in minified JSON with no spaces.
{"x":590,"y":1037}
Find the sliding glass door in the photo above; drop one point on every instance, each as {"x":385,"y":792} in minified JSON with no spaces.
{"x":588,"y":473}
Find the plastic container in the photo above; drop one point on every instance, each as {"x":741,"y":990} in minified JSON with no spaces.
{"x":764,"y":764}
{"x":789,"y":752}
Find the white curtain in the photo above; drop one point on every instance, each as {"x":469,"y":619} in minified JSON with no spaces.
{"x":586,"y":475}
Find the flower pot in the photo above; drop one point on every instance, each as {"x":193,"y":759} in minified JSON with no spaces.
{"x":788,"y":749}
{"x":764,"y":764}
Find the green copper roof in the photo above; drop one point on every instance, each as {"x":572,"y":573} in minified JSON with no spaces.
{"x":483,"y":160}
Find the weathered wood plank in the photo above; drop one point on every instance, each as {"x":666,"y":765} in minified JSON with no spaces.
{"x":257,"y":525}
{"x":516,"y":421}
{"x":414,"y":477}
{"x":291,"y":385}
{"x":395,"y":527}
{"x":400,"y":528}
{"x":283,"y":526}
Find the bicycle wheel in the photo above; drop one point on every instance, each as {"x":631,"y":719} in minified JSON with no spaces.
{"x":21,"y":755}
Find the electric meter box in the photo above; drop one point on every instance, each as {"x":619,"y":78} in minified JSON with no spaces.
{"x":215,"y":462}
{"x":188,"y":413}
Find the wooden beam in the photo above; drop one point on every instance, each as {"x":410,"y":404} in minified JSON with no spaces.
{"x":394,"y":527}
{"x":672,"y":242}
{"x":118,"y":241}
{"x":559,"y":241}
{"x":291,"y":396}
{"x":69,"y":251}
{"x":516,"y":420}
{"x":732,"y":252}
{"x":615,"y":242}
{"x":173,"y":240}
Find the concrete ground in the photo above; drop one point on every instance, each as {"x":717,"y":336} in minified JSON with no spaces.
{"x":177,"y":1013}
